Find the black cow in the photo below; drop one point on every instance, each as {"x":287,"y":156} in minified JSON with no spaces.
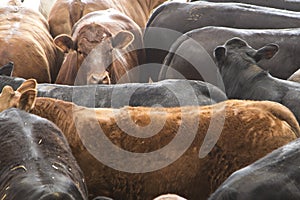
{"x":7,"y":69}
{"x":191,"y":56}
{"x":36,"y":161}
{"x":275,"y":176}
{"x":293,"y":5}
{"x":244,"y":79}
{"x":14,"y":82}
{"x":168,"y":93}
{"x":170,"y":20}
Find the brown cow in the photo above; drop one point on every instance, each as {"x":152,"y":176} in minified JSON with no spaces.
{"x":98,"y":50}
{"x":25,"y":40}
{"x":142,"y":165}
{"x":65,"y":13}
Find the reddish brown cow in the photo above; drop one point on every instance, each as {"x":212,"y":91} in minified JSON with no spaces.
{"x":98,"y":50}
{"x":65,"y":13}
{"x":25,"y":40}
{"x":168,"y":161}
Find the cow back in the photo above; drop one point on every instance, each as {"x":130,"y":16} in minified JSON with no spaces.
{"x":132,"y":150}
{"x":191,"y":51}
{"x":280,"y":4}
{"x":26,"y":41}
{"x":71,"y":11}
{"x":36,"y":162}
{"x":164,"y":26}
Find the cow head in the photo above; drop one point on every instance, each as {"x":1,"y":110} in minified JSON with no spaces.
{"x":237,"y":62}
{"x":236,"y":53}
{"x":23,"y":98}
{"x":94,"y":47}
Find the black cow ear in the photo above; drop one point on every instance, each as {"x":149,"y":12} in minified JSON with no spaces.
{"x":266,"y":52}
{"x":64,"y":43}
{"x":7,"y":69}
{"x":236,"y":42}
{"x":220,"y":54}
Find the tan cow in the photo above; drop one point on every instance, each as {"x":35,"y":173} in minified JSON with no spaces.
{"x":25,"y":40}
{"x":134,"y":163}
{"x":104,"y":47}
{"x":65,"y":13}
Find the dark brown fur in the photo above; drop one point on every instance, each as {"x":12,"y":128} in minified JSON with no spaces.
{"x":251,"y":130}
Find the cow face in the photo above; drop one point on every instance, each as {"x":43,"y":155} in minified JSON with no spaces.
{"x":102,"y":65}
{"x":95,"y":48}
{"x":238,"y":54}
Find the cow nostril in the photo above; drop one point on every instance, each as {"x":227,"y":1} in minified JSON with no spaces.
{"x":106,"y":80}
{"x":57,"y":196}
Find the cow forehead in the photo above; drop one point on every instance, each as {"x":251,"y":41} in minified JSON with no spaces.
{"x":90,"y":36}
{"x":93,"y":32}
{"x":85,"y":46}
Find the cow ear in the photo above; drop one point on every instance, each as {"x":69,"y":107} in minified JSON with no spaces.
{"x":26,"y":85}
{"x":122,"y":39}
{"x":266,"y":52}
{"x":236,"y":42}
{"x":27,"y":100}
{"x":220,"y":54}
{"x":7,"y":69}
{"x":7,"y":98}
{"x":7,"y":91}
{"x":64,"y":43}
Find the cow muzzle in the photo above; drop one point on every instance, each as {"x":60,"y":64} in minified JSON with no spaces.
{"x":102,"y":78}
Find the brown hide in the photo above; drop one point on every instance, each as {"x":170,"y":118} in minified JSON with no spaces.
{"x":25,"y":40}
{"x":65,"y":13}
{"x":91,"y":30}
{"x":68,"y":71}
{"x":250,"y":131}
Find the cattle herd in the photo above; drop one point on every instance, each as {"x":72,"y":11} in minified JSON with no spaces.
{"x":149,"y":99}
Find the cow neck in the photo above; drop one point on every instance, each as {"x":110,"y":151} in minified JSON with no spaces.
{"x":60,"y":113}
{"x":242,"y":79}
{"x":253,"y":72}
